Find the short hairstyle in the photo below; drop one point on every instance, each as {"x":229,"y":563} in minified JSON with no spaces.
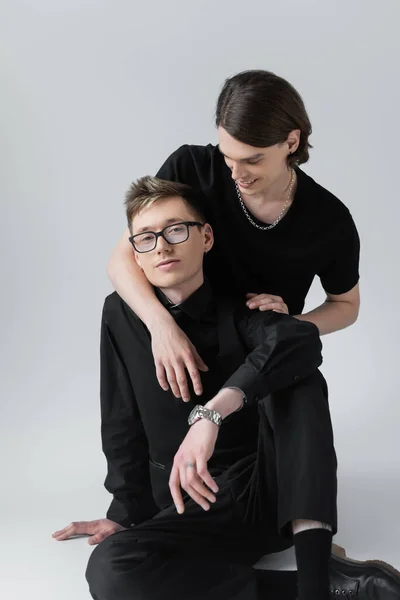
{"x":147,"y":190}
{"x":260,"y":109}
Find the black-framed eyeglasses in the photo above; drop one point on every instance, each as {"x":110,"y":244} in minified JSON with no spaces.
{"x":172,"y":234}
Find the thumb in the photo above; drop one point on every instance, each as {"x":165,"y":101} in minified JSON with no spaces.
{"x":99,"y":537}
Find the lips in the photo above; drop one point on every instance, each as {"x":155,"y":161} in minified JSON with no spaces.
{"x":246,"y":184}
{"x":167,"y":262}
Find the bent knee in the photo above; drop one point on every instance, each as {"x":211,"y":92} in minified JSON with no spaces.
{"x":113,"y":565}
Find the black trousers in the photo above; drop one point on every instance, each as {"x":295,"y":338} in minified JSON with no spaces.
{"x":209,"y":554}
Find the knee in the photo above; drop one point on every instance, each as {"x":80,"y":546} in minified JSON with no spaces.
{"x":100,"y":573}
{"x":114,"y":569}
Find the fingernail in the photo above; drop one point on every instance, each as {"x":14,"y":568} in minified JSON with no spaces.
{"x":251,"y":305}
{"x":179,"y":509}
{"x":206,"y":507}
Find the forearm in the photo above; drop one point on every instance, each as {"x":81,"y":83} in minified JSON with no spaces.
{"x":133,"y":287}
{"x":331,"y":316}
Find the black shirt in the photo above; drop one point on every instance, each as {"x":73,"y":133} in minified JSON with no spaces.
{"x":143,"y":426}
{"x":317,"y":236}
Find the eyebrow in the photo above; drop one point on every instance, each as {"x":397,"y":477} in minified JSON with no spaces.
{"x":253,"y":157}
{"x":166,"y":223}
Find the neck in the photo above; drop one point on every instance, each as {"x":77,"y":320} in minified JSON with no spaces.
{"x":179,"y":293}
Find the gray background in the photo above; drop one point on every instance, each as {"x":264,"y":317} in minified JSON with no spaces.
{"x":97,"y":93}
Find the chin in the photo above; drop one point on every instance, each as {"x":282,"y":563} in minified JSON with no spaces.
{"x":168,"y":280}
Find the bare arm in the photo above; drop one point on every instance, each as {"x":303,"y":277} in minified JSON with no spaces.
{"x":133,"y":287}
{"x":172,"y":349}
{"x":337,"y":312}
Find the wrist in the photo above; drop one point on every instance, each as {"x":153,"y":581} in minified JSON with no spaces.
{"x":226,"y":402}
{"x":159,"y":317}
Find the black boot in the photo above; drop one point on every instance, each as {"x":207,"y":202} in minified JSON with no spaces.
{"x":368,"y":580}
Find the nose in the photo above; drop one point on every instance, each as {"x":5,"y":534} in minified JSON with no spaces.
{"x":237,"y":171}
{"x":162,"y":244}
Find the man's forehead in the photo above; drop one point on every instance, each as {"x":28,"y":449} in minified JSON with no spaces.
{"x":160,"y":214}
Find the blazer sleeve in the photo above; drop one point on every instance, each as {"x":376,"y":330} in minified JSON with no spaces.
{"x":124,"y":441}
{"x":282,"y":350}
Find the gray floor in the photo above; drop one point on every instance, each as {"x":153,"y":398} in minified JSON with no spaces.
{"x":35,"y":566}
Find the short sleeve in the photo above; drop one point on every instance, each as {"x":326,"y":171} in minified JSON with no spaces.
{"x":341,"y":271}
{"x":179,"y":167}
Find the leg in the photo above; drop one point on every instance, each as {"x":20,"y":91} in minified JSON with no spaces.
{"x":194,"y":556}
{"x":294,"y":484}
{"x":306,"y":464}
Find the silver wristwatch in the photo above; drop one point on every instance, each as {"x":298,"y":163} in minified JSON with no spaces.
{"x":201,"y":412}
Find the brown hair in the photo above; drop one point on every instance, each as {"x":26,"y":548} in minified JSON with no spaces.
{"x":147,"y":190}
{"x":260,"y":109}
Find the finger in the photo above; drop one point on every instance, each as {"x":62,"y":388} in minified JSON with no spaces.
{"x":175,"y":489}
{"x":254,"y":302}
{"x":199,"y":362}
{"x":205,"y":476}
{"x":74,"y":528}
{"x":264,"y":298}
{"x":250,"y":295}
{"x":170,"y":371}
{"x":182,"y":382}
{"x":278,"y":306}
{"x":162,"y":380}
{"x":267,"y":304}
{"x":100,"y":536}
{"x":194,"y":375}
{"x":194,"y":487}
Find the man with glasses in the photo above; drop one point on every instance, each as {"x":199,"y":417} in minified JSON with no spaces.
{"x":203,"y":489}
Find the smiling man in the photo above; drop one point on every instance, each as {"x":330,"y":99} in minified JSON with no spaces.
{"x":203,"y":489}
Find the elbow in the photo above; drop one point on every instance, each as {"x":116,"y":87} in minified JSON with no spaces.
{"x":111,"y":270}
{"x":113,"y":266}
{"x":356,"y":312}
{"x":353,"y":314}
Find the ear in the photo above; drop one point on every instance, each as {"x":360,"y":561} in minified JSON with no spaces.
{"x":208,"y":238}
{"x":293,"y":140}
{"x":137,"y":259}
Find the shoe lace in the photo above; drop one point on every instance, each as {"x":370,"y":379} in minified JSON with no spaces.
{"x":348,"y":595}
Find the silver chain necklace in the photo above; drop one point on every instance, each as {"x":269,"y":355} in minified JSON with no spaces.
{"x":279,"y":217}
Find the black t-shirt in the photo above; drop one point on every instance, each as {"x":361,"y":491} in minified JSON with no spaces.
{"x":317,"y":236}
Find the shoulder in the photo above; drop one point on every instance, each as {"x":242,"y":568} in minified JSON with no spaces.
{"x":191,"y":164}
{"x":323,"y":208}
{"x":115,"y":309}
{"x":195,"y":153}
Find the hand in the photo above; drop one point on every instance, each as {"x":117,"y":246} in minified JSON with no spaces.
{"x":267,"y":302}
{"x":98,"y":530}
{"x":173,"y":352}
{"x":197,"y":447}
